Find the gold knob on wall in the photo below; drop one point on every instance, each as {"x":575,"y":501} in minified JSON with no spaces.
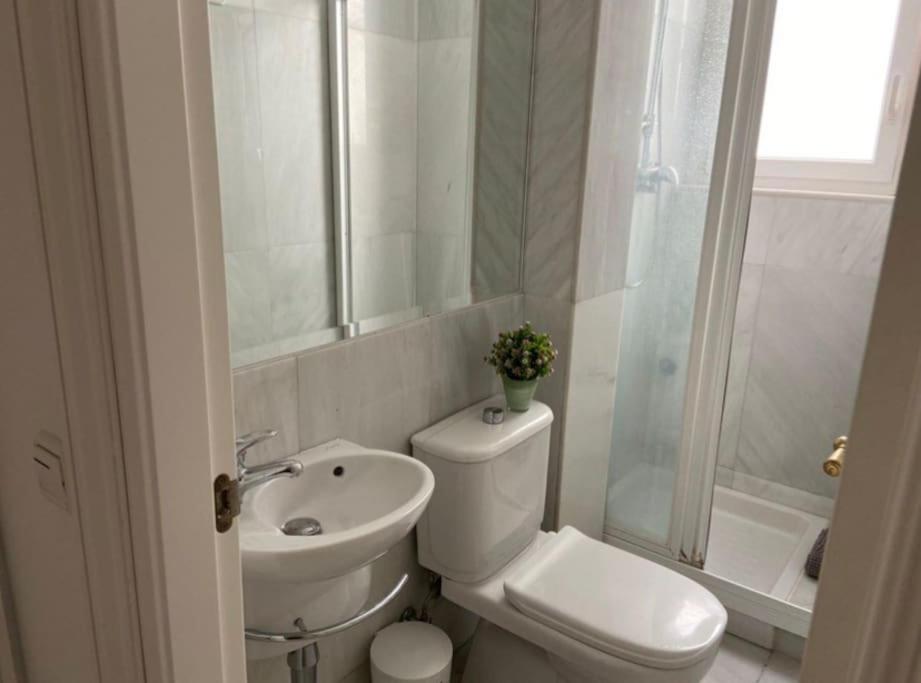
{"x":834,"y":463}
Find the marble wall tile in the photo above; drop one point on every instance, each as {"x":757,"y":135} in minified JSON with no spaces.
{"x":249,"y":303}
{"x":724,"y":476}
{"x":372,"y":390}
{"x":444,"y":111}
{"x":586,"y":448}
{"x":556,"y":317}
{"x":302,"y":289}
{"x":460,"y":340}
{"x":445,"y":18}
{"x":810,"y":335}
{"x":382,"y":133}
{"x":739,"y":358}
{"x":383,"y":273}
{"x":793,"y":373}
{"x":563,"y":71}
{"x":392,"y":17}
{"x":829,"y":234}
{"x":303,"y":9}
{"x":444,"y":163}
{"x":760,"y":223}
{"x":624,"y":32}
{"x":377,"y":390}
{"x":265,"y":397}
{"x":791,"y":496}
{"x":295,"y":115}
{"x":503,"y":103}
{"x":440,"y":269}
{"x":380,"y":389}
{"x":239,"y":127}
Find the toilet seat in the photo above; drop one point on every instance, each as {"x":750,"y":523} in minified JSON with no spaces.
{"x":488,"y":600}
{"x":617,"y":602}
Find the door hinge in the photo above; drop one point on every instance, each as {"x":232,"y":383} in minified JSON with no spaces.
{"x":226,"y":502}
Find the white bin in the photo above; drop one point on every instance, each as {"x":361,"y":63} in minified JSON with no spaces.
{"x":411,"y":652}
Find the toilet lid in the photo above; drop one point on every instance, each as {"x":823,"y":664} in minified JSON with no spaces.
{"x":617,"y":602}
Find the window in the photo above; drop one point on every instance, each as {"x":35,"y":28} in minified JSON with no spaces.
{"x":838,"y":94}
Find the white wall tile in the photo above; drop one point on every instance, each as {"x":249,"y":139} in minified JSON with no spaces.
{"x":555,"y":317}
{"x":303,"y":9}
{"x":503,"y":104}
{"x":302,"y":289}
{"x":820,"y":234}
{"x":809,"y":339}
{"x":443,"y":126}
{"x":559,"y":128}
{"x":265,"y":397}
{"x":395,"y":18}
{"x":382,"y":132}
{"x":739,"y":359}
{"x":249,"y":309}
{"x":798,"y":347}
{"x":624,"y":32}
{"x":760,"y":224}
{"x":380,"y":389}
{"x":791,"y":496}
{"x":295,"y":118}
{"x":445,"y":18}
{"x":383,"y":273}
{"x":586,"y":450}
{"x":441,"y":273}
{"x":239,"y":127}
{"x":460,"y":341}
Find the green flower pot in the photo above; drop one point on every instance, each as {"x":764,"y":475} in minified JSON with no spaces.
{"x":518,"y":393}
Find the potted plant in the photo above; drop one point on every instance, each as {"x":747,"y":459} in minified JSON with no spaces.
{"x":521,"y":357}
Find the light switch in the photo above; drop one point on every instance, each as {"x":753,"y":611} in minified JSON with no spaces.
{"x":47,"y":463}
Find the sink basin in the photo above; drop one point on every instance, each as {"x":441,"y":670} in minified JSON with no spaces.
{"x":356,"y":502}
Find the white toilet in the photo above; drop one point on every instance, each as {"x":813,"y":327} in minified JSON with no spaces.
{"x":554,"y":607}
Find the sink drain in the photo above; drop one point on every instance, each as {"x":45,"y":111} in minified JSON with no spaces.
{"x":302,"y":526}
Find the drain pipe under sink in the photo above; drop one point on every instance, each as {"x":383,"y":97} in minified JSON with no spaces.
{"x":303,"y":662}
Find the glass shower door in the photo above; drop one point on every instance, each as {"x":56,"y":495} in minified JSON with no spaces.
{"x":678,"y":211}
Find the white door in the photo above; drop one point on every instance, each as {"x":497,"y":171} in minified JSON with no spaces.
{"x":122,"y":144}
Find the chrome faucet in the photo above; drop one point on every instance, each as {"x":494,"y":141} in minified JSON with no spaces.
{"x":261,"y":474}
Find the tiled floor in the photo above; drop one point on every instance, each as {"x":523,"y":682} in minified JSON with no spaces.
{"x":739,"y":661}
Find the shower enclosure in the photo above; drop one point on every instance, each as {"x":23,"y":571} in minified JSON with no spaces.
{"x":675,"y":214}
{"x":734,"y":380}
{"x":707,"y":66}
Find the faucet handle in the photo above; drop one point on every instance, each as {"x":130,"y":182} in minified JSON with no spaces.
{"x":246,"y":441}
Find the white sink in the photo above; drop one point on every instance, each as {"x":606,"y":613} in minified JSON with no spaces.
{"x":365,"y":501}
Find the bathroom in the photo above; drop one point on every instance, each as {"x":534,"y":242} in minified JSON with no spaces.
{"x":687,"y":198}
{"x":436,"y":121}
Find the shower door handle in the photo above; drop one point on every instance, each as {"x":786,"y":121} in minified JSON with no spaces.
{"x":834,"y":463}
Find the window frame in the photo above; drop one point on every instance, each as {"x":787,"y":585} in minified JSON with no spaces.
{"x":879,"y":176}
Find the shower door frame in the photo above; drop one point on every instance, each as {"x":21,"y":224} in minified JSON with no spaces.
{"x":719,"y":276}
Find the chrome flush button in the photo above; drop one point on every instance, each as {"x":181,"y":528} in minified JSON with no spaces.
{"x":493,"y":415}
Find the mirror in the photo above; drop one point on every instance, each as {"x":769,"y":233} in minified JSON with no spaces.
{"x":372,"y":158}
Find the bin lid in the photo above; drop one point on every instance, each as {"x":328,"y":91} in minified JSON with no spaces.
{"x":411,"y":650}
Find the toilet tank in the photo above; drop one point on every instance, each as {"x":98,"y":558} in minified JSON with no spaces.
{"x":490,"y":485}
